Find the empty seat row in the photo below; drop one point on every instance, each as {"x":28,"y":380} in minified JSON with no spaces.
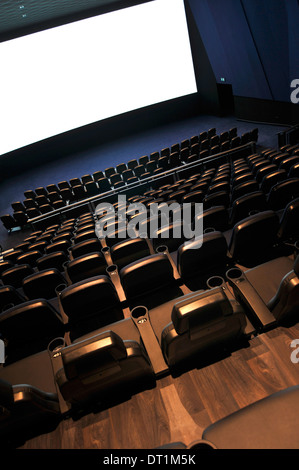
{"x":43,"y":200}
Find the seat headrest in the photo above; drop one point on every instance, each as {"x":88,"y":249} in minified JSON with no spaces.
{"x":126,"y":247}
{"x":147,"y":274}
{"x":261,"y":227}
{"x":43,"y":283}
{"x":97,"y":354}
{"x":88,"y":296}
{"x":22,"y":322}
{"x":90,"y":259}
{"x":194,"y":256}
{"x":200,"y":310}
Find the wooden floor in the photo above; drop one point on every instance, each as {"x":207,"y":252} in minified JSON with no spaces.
{"x":180,"y":408}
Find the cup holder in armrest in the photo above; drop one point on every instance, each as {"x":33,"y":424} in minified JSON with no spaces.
{"x":112,"y":269}
{"x":139,"y":312}
{"x":234,"y":274}
{"x":140,"y":317}
{"x":215,"y":281}
{"x":60,"y":288}
{"x":162,"y":249}
{"x":209,"y":230}
{"x":55,"y":346}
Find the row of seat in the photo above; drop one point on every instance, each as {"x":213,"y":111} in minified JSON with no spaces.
{"x":92,"y":367}
{"x":127,"y":326}
{"x":43,"y":200}
{"x":80,"y":254}
{"x":132,"y":264}
{"x":184,"y":326}
{"x":54,"y":247}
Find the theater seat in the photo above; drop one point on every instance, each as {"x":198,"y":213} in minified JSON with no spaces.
{"x":116,"y":236}
{"x":216,"y":199}
{"x":90,"y":304}
{"x":277,"y":283}
{"x":243,"y":206}
{"x":52,"y":260}
{"x":86,"y":246}
{"x":172,"y":236}
{"x":29,"y":327}
{"x":199,"y":260}
{"x":193,"y":196}
{"x":270,"y":423}
{"x":271,"y":179}
{"x":86,"y":235}
{"x":43,"y":284}
{"x":26,"y":412}
{"x":244,"y":188}
{"x":4,"y":265}
{"x":83,"y":267}
{"x":97,"y":368}
{"x":252,"y":239}
{"x":214,"y":218}
{"x":9,"y":297}
{"x":29,"y":258}
{"x":283,"y":193}
{"x":197,"y":323}
{"x":61,"y":245}
{"x":13,"y":256}
{"x":8,"y":221}
{"x":128,"y":251}
{"x":15,"y":275}
{"x":149,"y":281}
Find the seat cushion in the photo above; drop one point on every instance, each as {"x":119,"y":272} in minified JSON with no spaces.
{"x":267,"y":277}
{"x":126,"y":329}
{"x":35,"y":370}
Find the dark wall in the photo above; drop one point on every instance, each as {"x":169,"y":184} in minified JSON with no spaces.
{"x":253,"y":45}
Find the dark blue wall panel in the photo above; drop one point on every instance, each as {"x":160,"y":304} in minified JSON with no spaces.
{"x":253,"y":44}
{"x":230,"y":46}
{"x":268,"y":23}
{"x":293,"y":31}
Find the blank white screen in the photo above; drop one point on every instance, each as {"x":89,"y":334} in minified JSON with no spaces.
{"x":72,"y":75}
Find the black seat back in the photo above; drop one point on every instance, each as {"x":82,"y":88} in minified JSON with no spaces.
{"x":15,"y":275}
{"x":83,"y":267}
{"x":88,"y":297}
{"x":253,"y":238}
{"x":43,"y":284}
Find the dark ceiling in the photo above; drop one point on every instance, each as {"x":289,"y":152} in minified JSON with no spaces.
{"x":18,"y":17}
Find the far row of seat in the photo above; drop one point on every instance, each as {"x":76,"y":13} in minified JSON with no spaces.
{"x":43,"y":200}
